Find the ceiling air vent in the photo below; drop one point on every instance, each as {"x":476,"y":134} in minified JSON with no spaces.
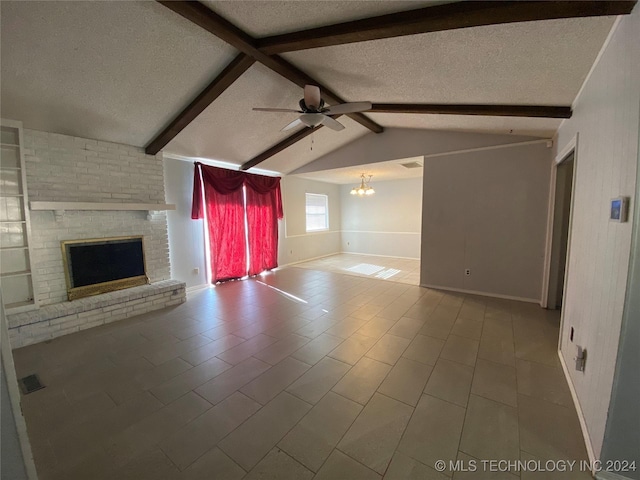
{"x":412,"y":165}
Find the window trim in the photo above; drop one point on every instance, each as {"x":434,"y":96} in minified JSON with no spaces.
{"x":326,"y":214}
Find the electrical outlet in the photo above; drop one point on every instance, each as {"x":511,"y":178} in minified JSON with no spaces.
{"x":196,"y":271}
{"x":467,"y":272}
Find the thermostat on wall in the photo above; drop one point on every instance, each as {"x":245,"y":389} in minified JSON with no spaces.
{"x":619,"y":207}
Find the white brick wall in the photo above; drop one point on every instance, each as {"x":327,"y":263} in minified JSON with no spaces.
{"x":54,"y":321}
{"x":61,"y":168}
{"x":64,"y":168}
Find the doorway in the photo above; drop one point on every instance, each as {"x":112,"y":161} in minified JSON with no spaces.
{"x":560,"y":231}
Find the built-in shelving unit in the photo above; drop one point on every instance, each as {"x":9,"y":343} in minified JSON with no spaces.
{"x":15,"y":228}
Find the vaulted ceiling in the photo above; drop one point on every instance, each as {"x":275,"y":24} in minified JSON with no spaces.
{"x":123,"y":72}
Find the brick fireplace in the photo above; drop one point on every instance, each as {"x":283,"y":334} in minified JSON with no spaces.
{"x":83,"y":172}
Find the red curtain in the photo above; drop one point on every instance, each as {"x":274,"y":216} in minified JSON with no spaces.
{"x":225,"y":214}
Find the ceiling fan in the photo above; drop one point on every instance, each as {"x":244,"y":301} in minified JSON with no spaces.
{"x":314,"y":113}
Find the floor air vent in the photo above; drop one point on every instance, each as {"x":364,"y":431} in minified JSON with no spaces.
{"x":30,"y":384}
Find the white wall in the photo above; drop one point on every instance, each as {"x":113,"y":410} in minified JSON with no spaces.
{"x":186,"y":236}
{"x":606,"y":117}
{"x":395,"y":143}
{"x":386,"y":223}
{"x":295,"y":244}
{"x":486,"y":211}
{"x":64,"y":168}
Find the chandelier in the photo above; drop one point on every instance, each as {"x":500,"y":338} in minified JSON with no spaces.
{"x":364,"y":188}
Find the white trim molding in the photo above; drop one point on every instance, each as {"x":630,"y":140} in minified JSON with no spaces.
{"x":483,"y":294}
{"x":576,"y":403}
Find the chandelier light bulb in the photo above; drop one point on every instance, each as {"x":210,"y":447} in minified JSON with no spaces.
{"x":364,"y":188}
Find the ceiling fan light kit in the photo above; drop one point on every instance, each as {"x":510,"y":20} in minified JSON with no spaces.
{"x":364,"y":189}
{"x":313,"y":112}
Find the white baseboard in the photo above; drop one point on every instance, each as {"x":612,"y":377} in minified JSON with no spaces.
{"x":583,"y":423}
{"x":483,"y":294}
{"x":196,"y":288}
{"x":374,"y":255}
{"x":308,"y":260}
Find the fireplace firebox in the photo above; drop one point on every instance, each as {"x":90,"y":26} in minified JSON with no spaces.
{"x":103,"y":265}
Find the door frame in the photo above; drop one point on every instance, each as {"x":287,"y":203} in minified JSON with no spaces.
{"x":561,"y":156}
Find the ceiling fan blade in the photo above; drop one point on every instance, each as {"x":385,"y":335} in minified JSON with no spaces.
{"x":312,"y":96}
{"x":293,"y":124}
{"x":276,"y":110}
{"x":332,"y":124}
{"x":351,"y":107}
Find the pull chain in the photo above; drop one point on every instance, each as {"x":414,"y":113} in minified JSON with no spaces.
{"x":312,"y":141}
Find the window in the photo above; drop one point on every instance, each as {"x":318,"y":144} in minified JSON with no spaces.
{"x":317,"y":209}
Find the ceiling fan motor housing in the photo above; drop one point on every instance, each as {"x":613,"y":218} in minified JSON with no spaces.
{"x":312,"y":109}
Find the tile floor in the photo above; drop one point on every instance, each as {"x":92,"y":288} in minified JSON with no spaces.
{"x":303,"y":374}
{"x":393,"y":269}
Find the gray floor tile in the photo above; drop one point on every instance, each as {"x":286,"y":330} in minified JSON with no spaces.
{"x":468,"y":327}
{"x":214,"y":464}
{"x":443,"y":421}
{"x":362,"y":380}
{"x":205,"y":431}
{"x":225,"y":384}
{"x":450,"y":381}
{"x":374,"y":436}
{"x":549,"y":431}
{"x":406,"y":468}
{"x":376,"y":327}
{"x":340,"y":466}
{"x":243,"y":351}
{"x":345,"y":328}
{"x":277,"y":465}
{"x":268,"y":385}
{"x":406,"y":381}
{"x":424,"y":349}
{"x":278,"y":351}
{"x":316,"y":435}
{"x":318,"y":380}
{"x":544,"y":382}
{"x":352,"y":349}
{"x":471,"y":468}
{"x":495,"y":382}
{"x":498,"y":350}
{"x":388,"y":349}
{"x":461,"y":350}
{"x":489,"y":419}
{"x":316,"y":349}
{"x":406,"y":327}
{"x":205,"y":352}
{"x":189,"y":380}
{"x":247,"y":444}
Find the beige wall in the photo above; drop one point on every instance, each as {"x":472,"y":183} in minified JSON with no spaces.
{"x":606,"y":119}
{"x":486,"y":211}
{"x":387,"y":223}
{"x":295,"y":244}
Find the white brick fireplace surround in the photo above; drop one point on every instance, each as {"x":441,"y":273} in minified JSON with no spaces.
{"x":62,"y":168}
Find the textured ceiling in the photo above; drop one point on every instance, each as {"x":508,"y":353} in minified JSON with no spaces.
{"x":380,"y":171}
{"x":116,"y":71}
{"x":120,"y":71}
{"x":265,"y":18}
{"x":524,"y":63}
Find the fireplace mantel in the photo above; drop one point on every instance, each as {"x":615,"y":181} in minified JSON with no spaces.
{"x":58,"y":208}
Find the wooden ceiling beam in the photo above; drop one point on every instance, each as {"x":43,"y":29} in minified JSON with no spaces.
{"x":280,"y":146}
{"x":220,"y":27}
{"x":543,"y":111}
{"x":230,"y":74}
{"x":449,"y":16}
